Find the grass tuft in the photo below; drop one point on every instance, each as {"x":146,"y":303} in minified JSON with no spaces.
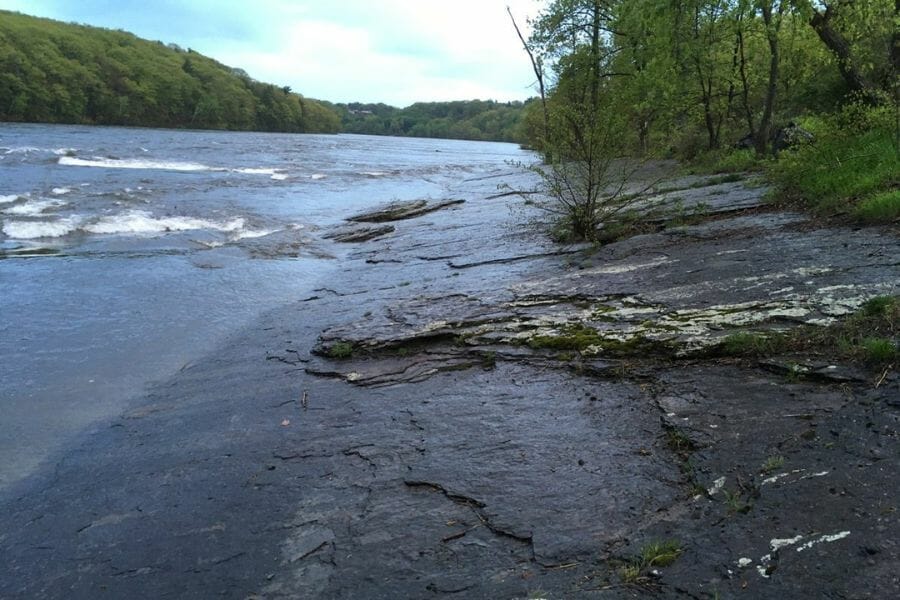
{"x":883,"y":207}
{"x":879,"y":351}
{"x":772,"y":464}
{"x":340,"y":350}
{"x":654,"y":554}
{"x":660,"y":554}
{"x":751,"y":344}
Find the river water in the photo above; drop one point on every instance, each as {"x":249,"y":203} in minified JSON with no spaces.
{"x":125,"y":254}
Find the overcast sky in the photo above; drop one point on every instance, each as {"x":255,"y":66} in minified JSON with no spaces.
{"x":392,"y":51}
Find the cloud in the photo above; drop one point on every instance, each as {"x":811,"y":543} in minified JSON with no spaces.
{"x":392,"y":51}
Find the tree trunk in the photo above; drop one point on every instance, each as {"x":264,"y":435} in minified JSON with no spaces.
{"x":708,"y":118}
{"x":537,"y":67}
{"x":835,"y":42}
{"x":644,"y":136}
{"x":765,"y":125}
{"x":745,"y":84}
{"x":895,"y":47}
{"x":595,"y":54}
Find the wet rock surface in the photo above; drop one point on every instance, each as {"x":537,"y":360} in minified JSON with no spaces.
{"x":359,"y":233}
{"x":398,"y":211}
{"x":469,"y":410}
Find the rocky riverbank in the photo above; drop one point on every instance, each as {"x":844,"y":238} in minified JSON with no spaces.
{"x":470,"y":410}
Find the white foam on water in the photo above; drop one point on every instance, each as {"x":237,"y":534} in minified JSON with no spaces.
{"x":8,"y":199}
{"x":318,"y":176}
{"x":134,"y":163}
{"x":33,"y":208}
{"x":209,"y":244}
{"x":59,"y":191}
{"x":64,"y":151}
{"x":139,"y":221}
{"x":251,"y":234}
{"x":30,"y":230}
{"x":270,"y":171}
{"x":22,"y":150}
{"x":373,"y":173}
{"x":255,"y":171}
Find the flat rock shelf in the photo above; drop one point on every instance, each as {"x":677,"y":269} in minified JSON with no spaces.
{"x":470,"y":411}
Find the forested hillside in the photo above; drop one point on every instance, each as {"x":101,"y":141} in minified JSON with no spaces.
{"x":53,"y":72}
{"x":465,"y":120}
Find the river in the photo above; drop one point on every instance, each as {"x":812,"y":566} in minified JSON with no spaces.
{"x":126,"y":254}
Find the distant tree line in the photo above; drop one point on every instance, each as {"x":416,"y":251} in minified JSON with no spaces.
{"x":485,"y":120}
{"x":53,"y":72}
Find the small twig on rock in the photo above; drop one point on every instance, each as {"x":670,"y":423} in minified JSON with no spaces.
{"x":883,"y":376}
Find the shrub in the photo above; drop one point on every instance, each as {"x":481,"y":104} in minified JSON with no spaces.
{"x":880,"y":307}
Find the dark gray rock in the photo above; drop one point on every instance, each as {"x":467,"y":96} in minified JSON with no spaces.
{"x":359,"y":233}
{"x":791,"y":136}
{"x":447,"y":457}
{"x":398,"y":211}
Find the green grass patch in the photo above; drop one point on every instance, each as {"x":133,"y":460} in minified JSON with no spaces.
{"x":772,"y":464}
{"x":660,"y":554}
{"x":729,"y":160}
{"x":654,"y":554}
{"x":737,"y":161}
{"x":880,"y":307}
{"x":883,"y":207}
{"x":870,"y":336}
{"x":578,"y":337}
{"x":879,"y":350}
{"x":340,"y":350}
{"x":845,"y":171}
{"x":751,"y":344}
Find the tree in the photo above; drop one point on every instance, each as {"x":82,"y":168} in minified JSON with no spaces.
{"x":537,"y":65}
{"x":583,"y":128}
{"x":772,"y":15}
